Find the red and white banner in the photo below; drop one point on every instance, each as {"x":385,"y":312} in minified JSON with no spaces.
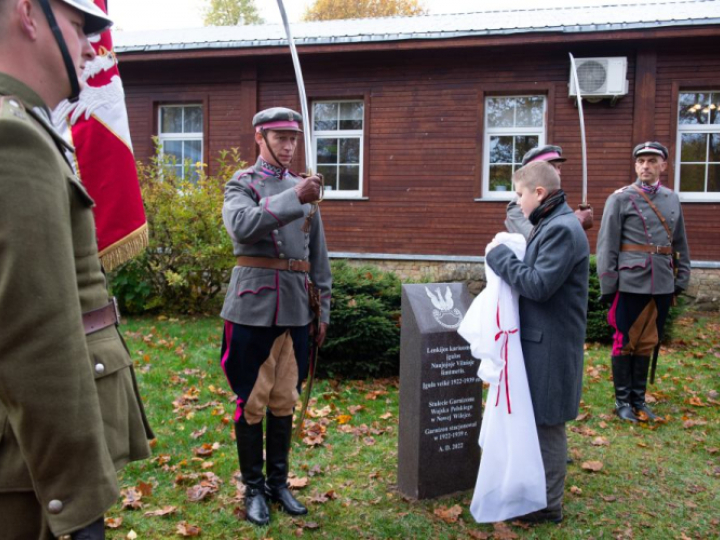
{"x":97,"y":126}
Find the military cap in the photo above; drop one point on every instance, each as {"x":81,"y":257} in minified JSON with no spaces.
{"x":650,"y":147}
{"x":95,"y":19}
{"x":543,"y":153}
{"x":278,"y":118}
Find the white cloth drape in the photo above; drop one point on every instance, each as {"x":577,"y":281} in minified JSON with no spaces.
{"x":511,"y":478}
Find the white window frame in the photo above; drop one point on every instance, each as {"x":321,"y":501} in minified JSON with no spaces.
{"x":184,"y":137}
{"x":342,"y":134}
{"x":694,"y":196}
{"x":488,"y":132}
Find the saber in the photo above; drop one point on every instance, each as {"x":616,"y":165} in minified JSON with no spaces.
{"x":309,"y":158}
{"x":310,"y":167}
{"x":584,"y":212}
{"x":573,"y":67}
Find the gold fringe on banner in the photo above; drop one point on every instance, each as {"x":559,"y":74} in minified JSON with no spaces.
{"x":125,"y":249}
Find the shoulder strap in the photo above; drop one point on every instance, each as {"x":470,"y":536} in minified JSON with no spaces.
{"x":657,"y":212}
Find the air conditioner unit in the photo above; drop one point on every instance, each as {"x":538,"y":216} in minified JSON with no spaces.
{"x":600,"y":77}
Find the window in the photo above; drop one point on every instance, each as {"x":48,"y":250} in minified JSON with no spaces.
{"x":338,"y":146}
{"x":513,"y":125}
{"x":697,"y":174}
{"x":181,"y":136}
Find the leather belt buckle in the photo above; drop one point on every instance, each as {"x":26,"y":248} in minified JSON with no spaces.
{"x":291,"y":264}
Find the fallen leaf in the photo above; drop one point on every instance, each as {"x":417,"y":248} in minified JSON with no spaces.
{"x":575,"y":490}
{"x":113,"y":523}
{"x":503,"y":532}
{"x":198,"y":493}
{"x":343,"y":419}
{"x":132,"y":535}
{"x":608,"y":498}
{"x":145,"y":489}
{"x":448,"y":515}
{"x":386,"y":415}
{"x":164,"y":511}
{"x":593,"y":466}
{"x":297,"y":483}
{"x":199,"y":433}
{"x":600,"y":441}
{"x":479,"y":535}
{"x":131,"y":498}
{"x":185,"y":529}
{"x":354,"y":409}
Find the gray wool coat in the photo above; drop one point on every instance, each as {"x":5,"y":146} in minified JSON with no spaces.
{"x":552,"y":282}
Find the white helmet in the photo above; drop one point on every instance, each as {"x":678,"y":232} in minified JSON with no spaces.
{"x":95,"y":22}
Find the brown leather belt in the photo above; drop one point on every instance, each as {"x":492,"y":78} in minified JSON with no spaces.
{"x":293,"y":265}
{"x":97,"y":319}
{"x":647,"y":248}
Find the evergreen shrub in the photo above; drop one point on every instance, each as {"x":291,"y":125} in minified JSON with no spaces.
{"x":364,"y":335}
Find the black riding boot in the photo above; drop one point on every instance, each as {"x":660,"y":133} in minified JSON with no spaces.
{"x":250,"y":453}
{"x":640,"y":365}
{"x":279,"y":433}
{"x":622,"y":378}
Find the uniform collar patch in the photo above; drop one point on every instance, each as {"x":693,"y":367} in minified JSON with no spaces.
{"x":272,"y":170}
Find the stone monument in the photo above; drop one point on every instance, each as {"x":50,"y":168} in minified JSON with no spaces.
{"x":440,"y":394}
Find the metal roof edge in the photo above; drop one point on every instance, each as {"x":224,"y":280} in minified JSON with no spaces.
{"x":427,"y":36}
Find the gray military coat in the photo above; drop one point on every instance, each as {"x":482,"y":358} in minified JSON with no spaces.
{"x":628,"y":219}
{"x":552,"y":281}
{"x":515,"y":221}
{"x":264,"y":217}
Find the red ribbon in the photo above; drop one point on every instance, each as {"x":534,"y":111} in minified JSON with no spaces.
{"x":504,"y":347}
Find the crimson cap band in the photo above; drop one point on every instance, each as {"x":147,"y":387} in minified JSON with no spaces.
{"x":277,"y":118}
{"x":650,"y":147}
{"x":543,"y":153}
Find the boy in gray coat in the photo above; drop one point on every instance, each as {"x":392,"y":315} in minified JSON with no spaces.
{"x":552,"y":282}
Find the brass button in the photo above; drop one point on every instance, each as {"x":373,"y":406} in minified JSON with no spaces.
{"x":275,"y":231}
{"x":99,"y":369}
{"x":282,"y":255}
{"x":279,"y":242}
{"x":55,"y":506}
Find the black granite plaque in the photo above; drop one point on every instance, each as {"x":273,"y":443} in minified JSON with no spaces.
{"x":440,"y":394}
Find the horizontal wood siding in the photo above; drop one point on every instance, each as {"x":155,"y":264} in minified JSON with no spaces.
{"x":425,"y":130}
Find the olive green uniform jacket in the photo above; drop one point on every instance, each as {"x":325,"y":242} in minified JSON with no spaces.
{"x":70,"y":414}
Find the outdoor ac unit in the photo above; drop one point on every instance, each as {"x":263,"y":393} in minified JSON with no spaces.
{"x":600,"y":77}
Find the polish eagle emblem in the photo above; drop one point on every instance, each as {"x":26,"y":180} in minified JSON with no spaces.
{"x":445,"y":312}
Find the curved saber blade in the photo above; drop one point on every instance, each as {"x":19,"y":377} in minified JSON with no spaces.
{"x":309,"y":158}
{"x":573,"y":68}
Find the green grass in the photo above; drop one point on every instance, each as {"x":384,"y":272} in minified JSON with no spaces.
{"x":658,"y":481}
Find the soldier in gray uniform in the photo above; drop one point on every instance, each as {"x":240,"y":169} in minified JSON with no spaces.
{"x":281,"y":254}
{"x":642,"y":261}
{"x":515,"y":221}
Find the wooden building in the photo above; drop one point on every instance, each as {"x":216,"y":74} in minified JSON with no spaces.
{"x":419,"y":122}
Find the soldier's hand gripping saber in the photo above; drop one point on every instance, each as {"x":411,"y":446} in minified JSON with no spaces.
{"x":584,"y":211}
{"x":309,"y":169}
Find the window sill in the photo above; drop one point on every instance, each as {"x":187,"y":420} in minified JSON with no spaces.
{"x":699,"y":198}
{"x":495,"y":199}
{"x":345,"y":198}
